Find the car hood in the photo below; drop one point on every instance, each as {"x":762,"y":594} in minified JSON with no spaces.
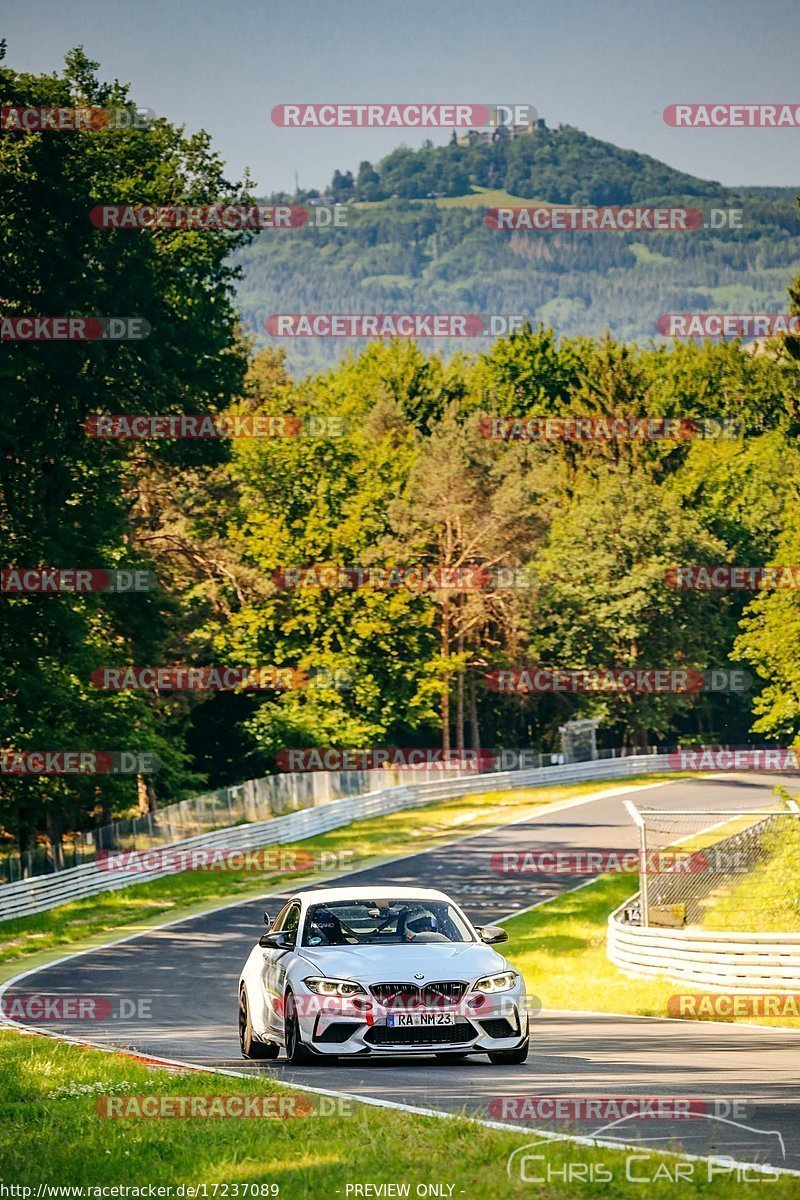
{"x":399,"y":964}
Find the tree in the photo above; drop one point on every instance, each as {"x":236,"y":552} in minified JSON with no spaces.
{"x":64,"y":496}
{"x":368,"y":182}
{"x":342,"y":186}
{"x":603,"y":601}
{"x":470,"y":504}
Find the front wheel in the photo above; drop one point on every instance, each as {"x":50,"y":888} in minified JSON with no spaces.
{"x":296,"y":1052}
{"x":250,"y":1047}
{"x":510,"y":1058}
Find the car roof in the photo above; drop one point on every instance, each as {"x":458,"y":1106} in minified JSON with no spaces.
{"x":326,"y":895}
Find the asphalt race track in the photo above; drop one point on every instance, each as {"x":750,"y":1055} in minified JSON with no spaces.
{"x":188,"y":973}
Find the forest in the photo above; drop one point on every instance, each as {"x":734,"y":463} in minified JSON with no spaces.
{"x":385,"y":463}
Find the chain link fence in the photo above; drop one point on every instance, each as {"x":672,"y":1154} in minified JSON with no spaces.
{"x":253,"y":800}
{"x":691,"y":876}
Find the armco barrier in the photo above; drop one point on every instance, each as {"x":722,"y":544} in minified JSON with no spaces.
{"x":250,"y":801}
{"x":725,"y":962}
{"x":48,"y":891}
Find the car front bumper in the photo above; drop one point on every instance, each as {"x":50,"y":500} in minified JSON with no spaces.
{"x":499,"y":1023}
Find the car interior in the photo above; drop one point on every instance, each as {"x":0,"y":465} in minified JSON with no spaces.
{"x":393,"y":922}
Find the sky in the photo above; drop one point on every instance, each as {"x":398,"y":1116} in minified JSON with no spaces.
{"x":609,"y":69}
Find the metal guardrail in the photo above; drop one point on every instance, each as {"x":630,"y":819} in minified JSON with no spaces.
{"x":44,"y":892}
{"x":253,"y":800}
{"x":727,"y":962}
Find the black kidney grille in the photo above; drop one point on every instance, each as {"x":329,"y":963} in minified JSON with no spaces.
{"x":441,"y":992}
{"x":388,"y":993}
{"x":451,"y":990}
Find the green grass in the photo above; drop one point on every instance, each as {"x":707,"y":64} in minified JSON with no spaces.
{"x":51,"y":1133}
{"x":135,"y":907}
{"x":737,"y":294}
{"x":645,"y":254}
{"x":765,"y":900}
{"x":481,"y":197}
{"x":560,"y":948}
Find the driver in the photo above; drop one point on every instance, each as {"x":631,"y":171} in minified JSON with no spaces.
{"x":423,"y":922}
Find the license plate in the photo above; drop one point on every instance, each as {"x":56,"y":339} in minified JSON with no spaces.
{"x":421,"y":1018}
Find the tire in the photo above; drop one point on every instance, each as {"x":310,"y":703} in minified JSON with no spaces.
{"x":510,"y":1058}
{"x":296,"y":1052}
{"x":249,"y":1046}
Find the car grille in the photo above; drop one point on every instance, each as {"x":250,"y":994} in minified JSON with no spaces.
{"x":420,"y":1035}
{"x":442,"y":992}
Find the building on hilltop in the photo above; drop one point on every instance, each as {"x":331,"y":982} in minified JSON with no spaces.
{"x":496,"y":132}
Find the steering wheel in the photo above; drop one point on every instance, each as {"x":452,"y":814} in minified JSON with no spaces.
{"x":400,"y":917}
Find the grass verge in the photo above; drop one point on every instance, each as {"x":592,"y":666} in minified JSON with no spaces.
{"x":765,"y":899}
{"x":399,"y":833}
{"x":560,"y":948}
{"x":52,"y":1134}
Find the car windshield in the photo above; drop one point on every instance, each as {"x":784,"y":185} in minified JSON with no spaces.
{"x":383,"y":922}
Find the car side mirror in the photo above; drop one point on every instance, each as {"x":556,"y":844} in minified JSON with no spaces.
{"x":267,"y":920}
{"x":492,"y":934}
{"x":274,"y":941}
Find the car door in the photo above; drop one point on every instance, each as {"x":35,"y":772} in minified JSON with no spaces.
{"x":276,"y":961}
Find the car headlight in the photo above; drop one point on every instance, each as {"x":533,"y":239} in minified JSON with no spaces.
{"x":333,"y":987}
{"x":503,"y":982}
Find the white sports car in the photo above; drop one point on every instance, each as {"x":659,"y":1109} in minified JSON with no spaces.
{"x":387,"y":971}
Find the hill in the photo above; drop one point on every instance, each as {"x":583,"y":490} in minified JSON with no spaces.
{"x":416,"y":241}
